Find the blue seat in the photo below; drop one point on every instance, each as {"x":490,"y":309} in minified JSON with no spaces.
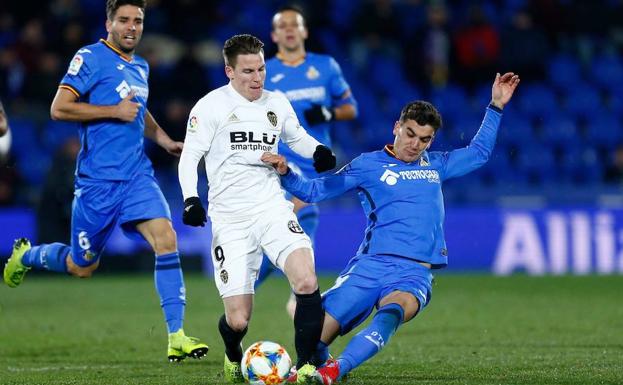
{"x":451,"y":101}
{"x":607,"y":72}
{"x":564,"y":71}
{"x":385,"y":74}
{"x":514,"y":129}
{"x":34,"y":166}
{"x":581,"y":165}
{"x":604,"y":130}
{"x":537,"y":100}
{"x":25,"y":137}
{"x":537,"y":162}
{"x":559,"y":130}
{"x":584,"y":101}
{"x":55,"y":133}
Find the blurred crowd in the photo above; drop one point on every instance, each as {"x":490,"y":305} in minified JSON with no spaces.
{"x":562,"y":135}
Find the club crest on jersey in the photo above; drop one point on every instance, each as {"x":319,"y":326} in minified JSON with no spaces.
{"x":75,"y":65}
{"x":295,"y":227}
{"x":272,"y":118}
{"x":312,"y":73}
{"x":224,"y":276}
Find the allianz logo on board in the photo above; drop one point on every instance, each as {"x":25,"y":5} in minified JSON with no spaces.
{"x":573,"y":242}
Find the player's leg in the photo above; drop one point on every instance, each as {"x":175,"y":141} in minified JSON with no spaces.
{"x":289,"y":248}
{"x":145,"y":212}
{"x":233,"y":326}
{"x":347,"y":304}
{"x":307,"y":215}
{"x":92,"y":220}
{"x":236,"y":258}
{"x":400,"y":302}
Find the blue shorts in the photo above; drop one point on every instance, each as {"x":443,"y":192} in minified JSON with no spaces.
{"x":99,"y":205}
{"x":367,"y":280}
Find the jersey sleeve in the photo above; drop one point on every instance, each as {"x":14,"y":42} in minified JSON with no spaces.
{"x":82,"y":74}
{"x":200,"y":131}
{"x":337,"y":84}
{"x":294,"y":135}
{"x":464,"y":160}
{"x":327,"y":187}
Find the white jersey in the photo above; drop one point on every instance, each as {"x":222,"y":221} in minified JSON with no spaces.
{"x":232,"y":133}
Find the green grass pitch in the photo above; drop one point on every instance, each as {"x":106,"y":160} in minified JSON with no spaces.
{"x":478,"y":330}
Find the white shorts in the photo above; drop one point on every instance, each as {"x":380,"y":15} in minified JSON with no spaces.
{"x":238,"y":248}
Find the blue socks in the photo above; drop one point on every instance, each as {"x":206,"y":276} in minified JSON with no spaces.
{"x":50,"y":257}
{"x":321,"y":355}
{"x":371,"y":340}
{"x":170,"y":287}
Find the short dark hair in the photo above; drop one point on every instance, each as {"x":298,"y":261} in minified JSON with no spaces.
{"x":292,"y":8}
{"x":113,"y":5}
{"x":423,"y":113}
{"x":241,"y":45}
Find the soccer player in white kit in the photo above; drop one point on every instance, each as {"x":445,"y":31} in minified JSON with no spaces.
{"x":231,"y":127}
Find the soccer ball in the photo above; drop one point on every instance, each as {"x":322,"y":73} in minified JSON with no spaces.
{"x":265,"y":363}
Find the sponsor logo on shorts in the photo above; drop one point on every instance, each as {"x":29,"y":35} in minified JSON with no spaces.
{"x":224,"y":276}
{"x":295,"y":227}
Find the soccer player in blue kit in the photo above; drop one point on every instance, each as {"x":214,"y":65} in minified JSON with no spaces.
{"x":106,"y":90}
{"x":316,"y":88}
{"x":400,"y":192}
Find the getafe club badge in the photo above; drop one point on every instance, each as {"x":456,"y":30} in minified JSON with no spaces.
{"x":272,"y":118}
{"x":295,"y":227}
{"x":312,"y":73}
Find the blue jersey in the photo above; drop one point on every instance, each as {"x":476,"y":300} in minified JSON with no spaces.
{"x":99,"y":74}
{"x":317,"y":80}
{"x":402,"y":201}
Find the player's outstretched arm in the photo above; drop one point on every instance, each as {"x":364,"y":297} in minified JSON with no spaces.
{"x":503,"y":88}
{"x":464,"y":160}
{"x":66,"y":106}
{"x":154,"y":132}
{"x":312,"y":190}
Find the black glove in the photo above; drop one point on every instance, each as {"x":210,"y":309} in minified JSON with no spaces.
{"x":194,"y":213}
{"x":318,"y":114}
{"x":324,"y":160}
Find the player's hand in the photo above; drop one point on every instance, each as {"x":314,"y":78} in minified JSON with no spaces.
{"x":127,"y":109}
{"x":318,"y":114}
{"x":279,"y":162}
{"x":503,"y":88}
{"x":174,"y":148}
{"x":324,"y":159}
{"x":194,"y":213}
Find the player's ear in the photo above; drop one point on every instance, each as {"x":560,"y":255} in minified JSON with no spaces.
{"x":229,"y":71}
{"x":396,"y":128}
{"x":108,"y":25}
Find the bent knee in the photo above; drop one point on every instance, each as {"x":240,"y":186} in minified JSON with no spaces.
{"x":306,"y":285}
{"x":165,"y":242}
{"x":82,"y":272}
{"x":238,"y":323}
